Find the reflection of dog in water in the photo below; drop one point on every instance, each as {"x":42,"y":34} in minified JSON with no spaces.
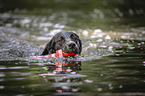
{"x":65,"y":67}
{"x":66,"y":71}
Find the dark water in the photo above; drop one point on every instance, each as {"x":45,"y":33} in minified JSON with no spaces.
{"x":113,"y":57}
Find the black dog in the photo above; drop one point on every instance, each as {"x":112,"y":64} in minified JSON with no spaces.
{"x":67,"y":41}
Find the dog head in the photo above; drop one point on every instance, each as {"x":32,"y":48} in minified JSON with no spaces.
{"x":67,"y":41}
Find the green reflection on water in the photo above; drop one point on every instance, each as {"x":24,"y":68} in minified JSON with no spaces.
{"x":84,"y":14}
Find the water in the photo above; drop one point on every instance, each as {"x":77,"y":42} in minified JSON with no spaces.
{"x":112,"y":61}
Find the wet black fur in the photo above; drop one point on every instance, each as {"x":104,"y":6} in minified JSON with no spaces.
{"x":67,"y":41}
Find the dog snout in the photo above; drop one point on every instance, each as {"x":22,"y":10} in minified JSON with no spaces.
{"x":71,"y":45}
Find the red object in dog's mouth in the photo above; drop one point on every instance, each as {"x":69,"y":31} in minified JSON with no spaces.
{"x":68,"y":54}
{"x":58,"y":54}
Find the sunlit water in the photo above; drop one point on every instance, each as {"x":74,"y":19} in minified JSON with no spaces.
{"x":112,"y":62}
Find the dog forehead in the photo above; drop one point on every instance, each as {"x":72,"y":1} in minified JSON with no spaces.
{"x":65,"y":35}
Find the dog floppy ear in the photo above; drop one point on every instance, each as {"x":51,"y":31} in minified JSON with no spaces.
{"x":80,"y":46}
{"x":49,"y":48}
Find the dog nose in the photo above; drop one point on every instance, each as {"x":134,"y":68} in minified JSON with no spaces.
{"x":71,"y":45}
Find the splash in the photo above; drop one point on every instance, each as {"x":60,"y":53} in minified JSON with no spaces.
{"x":96,"y":44}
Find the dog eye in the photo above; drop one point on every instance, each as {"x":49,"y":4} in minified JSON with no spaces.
{"x":74,"y":37}
{"x":60,"y":40}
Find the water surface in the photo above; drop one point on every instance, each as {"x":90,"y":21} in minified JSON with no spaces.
{"x":112,"y":61}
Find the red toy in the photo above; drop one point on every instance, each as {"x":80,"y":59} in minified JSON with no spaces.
{"x":58,"y":54}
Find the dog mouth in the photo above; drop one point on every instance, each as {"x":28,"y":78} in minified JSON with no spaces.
{"x":71,"y":50}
